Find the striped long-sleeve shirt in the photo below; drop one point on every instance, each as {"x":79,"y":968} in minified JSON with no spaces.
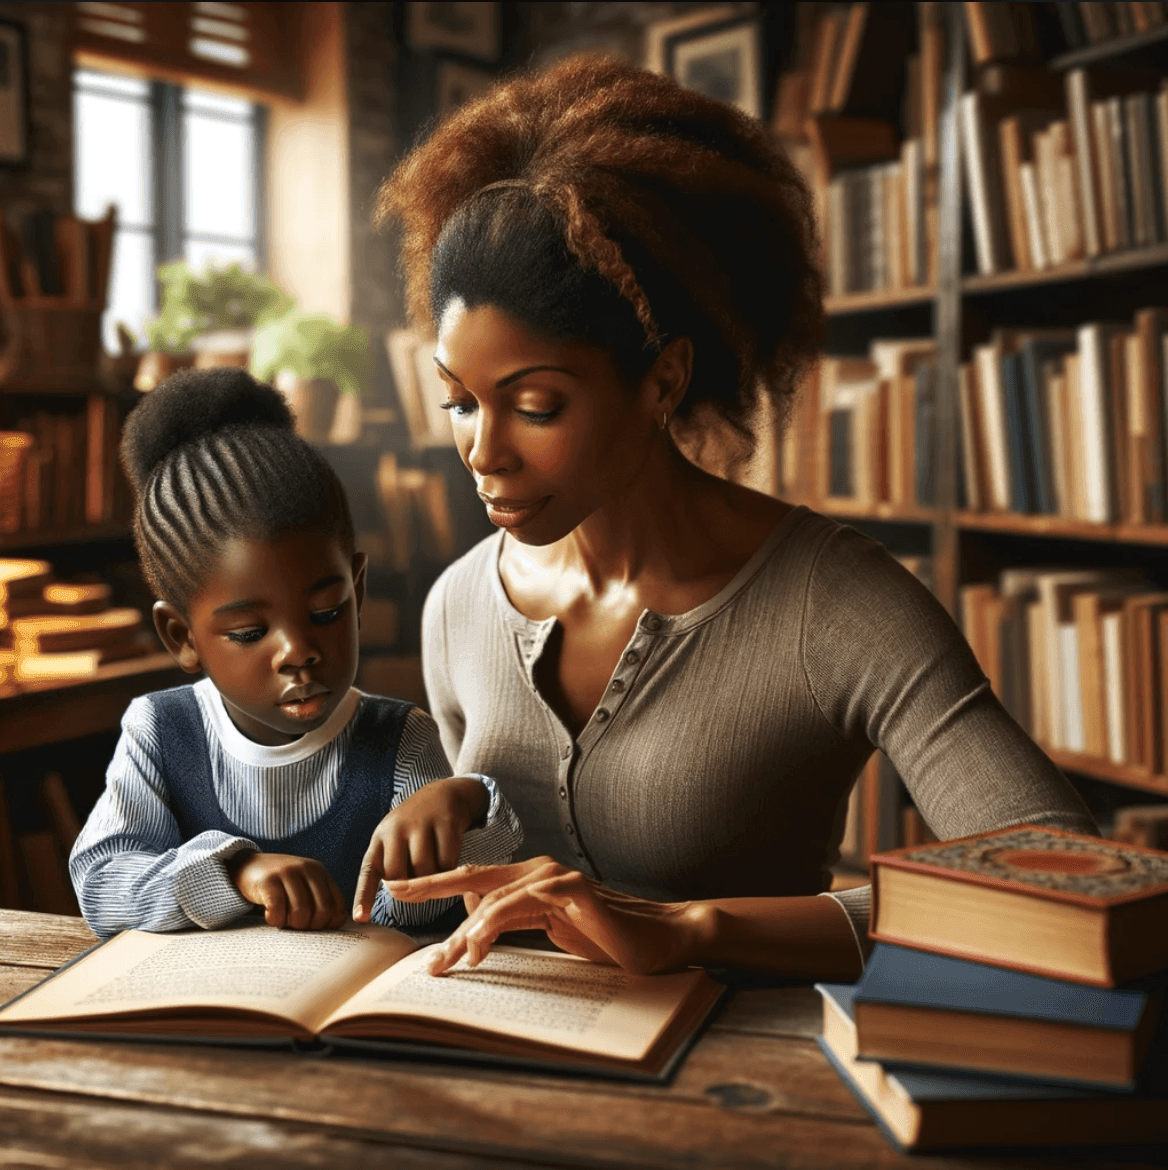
{"x":131,"y":867}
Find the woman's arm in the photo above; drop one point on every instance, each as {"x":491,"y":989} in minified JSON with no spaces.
{"x":808,"y":938}
{"x":130,"y":866}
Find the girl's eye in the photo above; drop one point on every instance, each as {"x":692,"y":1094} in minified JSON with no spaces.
{"x":461,"y":409}
{"x":325,"y":617}
{"x":252,"y":634}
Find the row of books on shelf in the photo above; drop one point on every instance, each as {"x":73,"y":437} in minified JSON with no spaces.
{"x":1069,"y":422}
{"x":1079,"y":657}
{"x":60,"y":470}
{"x":53,"y":629}
{"x":416,"y":508}
{"x":1059,"y":169}
{"x":1014,"y":996}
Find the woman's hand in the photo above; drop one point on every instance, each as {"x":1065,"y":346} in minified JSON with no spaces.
{"x":294,"y":891}
{"x":579,"y":915}
{"x":423,"y":835}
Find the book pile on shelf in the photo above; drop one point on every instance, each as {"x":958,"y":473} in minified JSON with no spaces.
{"x":1079,"y":657}
{"x":417,"y":514}
{"x":60,"y":630}
{"x":57,"y":256}
{"x":875,"y":431}
{"x":860,"y":114}
{"x":1088,"y":24}
{"x":1069,"y":422}
{"x":1014,"y":997}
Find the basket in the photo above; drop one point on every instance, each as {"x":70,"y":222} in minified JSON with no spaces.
{"x":14,"y":447}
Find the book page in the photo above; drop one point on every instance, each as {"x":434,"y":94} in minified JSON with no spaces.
{"x":299,"y":975}
{"x":549,"y":998}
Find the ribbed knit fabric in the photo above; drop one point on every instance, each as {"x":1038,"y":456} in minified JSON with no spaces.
{"x":720,"y":758}
{"x":131,"y":866}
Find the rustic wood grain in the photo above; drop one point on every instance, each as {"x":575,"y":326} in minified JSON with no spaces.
{"x":49,"y":1131}
{"x":16,"y":980}
{"x":28,"y":939}
{"x":779,"y":1011}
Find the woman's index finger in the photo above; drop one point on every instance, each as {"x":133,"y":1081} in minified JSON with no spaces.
{"x":466,"y":879}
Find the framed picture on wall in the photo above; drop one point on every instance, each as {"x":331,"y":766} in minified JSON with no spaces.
{"x":721,"y":60}
{"x":469,"y":29}
{"x":458,"y":83}
{"x":13,"y":95}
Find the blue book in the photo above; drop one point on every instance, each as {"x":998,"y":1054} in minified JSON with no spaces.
{"x":915,"y":1007}
{"x":946,"y":1110}
{"x":1032,"y":354}
{"x":1017,"y":436}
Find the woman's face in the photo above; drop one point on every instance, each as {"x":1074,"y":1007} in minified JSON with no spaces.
{"x":549,"y":429}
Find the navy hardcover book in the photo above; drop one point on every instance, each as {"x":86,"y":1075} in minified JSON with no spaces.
{"x":1017,"y":436}
{"x":1031,"y":356}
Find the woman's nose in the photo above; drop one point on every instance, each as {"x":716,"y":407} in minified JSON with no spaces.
{"x":489,"y":451}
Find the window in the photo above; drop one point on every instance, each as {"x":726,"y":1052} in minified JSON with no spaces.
{"x":183,"y":166}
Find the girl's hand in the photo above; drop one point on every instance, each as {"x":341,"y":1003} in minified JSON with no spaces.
{"x":579,"y":915}
{"x":423,"y":835}
{"x":294,"y":891}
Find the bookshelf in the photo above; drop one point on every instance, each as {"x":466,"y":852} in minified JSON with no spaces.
{"x":964,"y":308}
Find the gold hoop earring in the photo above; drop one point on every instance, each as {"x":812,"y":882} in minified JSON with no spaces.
{"x":664,"y":420}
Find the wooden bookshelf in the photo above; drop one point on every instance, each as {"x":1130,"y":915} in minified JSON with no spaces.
{"x":1099,"y":769}
{"x":875,"y":302}
{"x":46,"y":538}
{"x":1127,"y":46}
{"x":964,"y":310}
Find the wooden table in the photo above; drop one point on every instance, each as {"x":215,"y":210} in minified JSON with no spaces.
{"x":754,"y":1092}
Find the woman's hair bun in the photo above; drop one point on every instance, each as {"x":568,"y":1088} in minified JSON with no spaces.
{"x":191,"y":404}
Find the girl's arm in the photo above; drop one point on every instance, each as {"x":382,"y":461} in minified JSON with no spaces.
{"x":421,"y":760}
{"x":130,"y":866}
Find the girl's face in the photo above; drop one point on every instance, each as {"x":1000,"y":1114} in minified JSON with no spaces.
{"x":275,"y":629}
{"x":548,"y":429}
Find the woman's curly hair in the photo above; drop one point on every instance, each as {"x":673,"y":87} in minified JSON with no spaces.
{"x":599,"y":202}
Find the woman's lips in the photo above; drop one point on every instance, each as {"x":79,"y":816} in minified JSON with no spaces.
{"x":512,"y":514}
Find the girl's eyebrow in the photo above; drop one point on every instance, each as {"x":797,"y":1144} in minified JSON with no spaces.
{"x":510,"y":377}
{"x":251,"y":603}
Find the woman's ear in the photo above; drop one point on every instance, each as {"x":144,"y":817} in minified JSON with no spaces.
{"x":668,"y":379}
{"x":175,"y":633}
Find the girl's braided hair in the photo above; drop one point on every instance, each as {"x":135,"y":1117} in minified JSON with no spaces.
{"x":212,"y":455}
{"x":597,"y":202}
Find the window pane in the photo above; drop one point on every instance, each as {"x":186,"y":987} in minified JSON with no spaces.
{"x":113,"y":151}
{"x":112,"y":83}
{"x":131,"y":286}
{"x":200,"y":253}
{"x":200,"y":101}
{"x":220,"y":185}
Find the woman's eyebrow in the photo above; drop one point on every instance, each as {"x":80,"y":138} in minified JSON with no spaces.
{"x":510,"y":377}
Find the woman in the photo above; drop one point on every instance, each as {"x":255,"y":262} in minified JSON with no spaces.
{"x":674,"y":680}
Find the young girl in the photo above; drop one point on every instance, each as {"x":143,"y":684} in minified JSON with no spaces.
{"x":272,"y":781}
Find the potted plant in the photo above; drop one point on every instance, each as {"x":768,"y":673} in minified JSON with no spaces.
{"x":314,"y":360}
{"x":208,"y":318}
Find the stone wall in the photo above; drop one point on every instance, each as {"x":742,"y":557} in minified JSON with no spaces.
{"x":47,"y":179}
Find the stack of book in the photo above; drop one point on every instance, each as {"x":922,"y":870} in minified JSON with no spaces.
{"x":1079,"y":657}
{"x":1014,"y":997}
{"x":52,"y":630}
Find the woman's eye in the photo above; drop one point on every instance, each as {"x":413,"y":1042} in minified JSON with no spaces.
{"x":251,"y":634}
{"x":539,"y":416}
{"x":325,"y":617}
{"x":461,"y":409}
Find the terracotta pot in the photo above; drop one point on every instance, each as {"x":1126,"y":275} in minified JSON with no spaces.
{"x":153,"y":367}
{"x":313,"y":402}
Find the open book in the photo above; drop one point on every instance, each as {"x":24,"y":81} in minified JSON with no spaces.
{"x":366,"y":984}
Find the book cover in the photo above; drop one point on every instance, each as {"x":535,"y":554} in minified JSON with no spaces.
{"x":1033,"y":353}
{"x":945,"y":1110}
{"x":1018,"y":438}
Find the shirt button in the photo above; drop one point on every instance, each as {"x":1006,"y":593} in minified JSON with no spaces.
{"x":570,"y":830}
{"x":632,"y":658}
{"x":618,"y":685}
{"x":566,"y":751}
{"x":652,"y":622}
{"x":579,"y":855}
{"x":601,"y":715}
{"x":563,"y":793}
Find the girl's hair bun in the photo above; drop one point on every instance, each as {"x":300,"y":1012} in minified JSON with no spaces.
{"x":191,"y":404}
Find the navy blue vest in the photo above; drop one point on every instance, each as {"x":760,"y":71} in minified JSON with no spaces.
{"x":339,"y":839}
